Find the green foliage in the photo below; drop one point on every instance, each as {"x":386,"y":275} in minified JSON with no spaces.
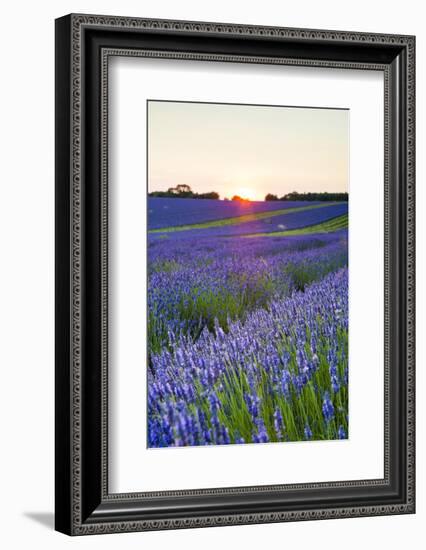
{"x":304,"y":273}
{"x":166,"y":266}
{"x":226,"y":304}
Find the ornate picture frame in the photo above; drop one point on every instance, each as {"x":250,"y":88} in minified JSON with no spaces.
{"x":84,"y":45}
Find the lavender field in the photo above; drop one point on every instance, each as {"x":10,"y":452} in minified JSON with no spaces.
{"x":247,"y":322}
{"x":184,"y":211}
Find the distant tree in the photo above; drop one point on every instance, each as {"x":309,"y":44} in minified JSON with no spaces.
{"x":181,"y":190}
{"x":270,"y":197}
{"x":238,"y":198}
{"x":291,"y":196}
{"x":184,"y":190}
{"x":211,"y":195}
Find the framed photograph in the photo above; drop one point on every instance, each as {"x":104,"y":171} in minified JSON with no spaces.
{"x":234,"y":274}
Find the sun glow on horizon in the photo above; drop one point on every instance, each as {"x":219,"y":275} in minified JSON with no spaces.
{"x":248,"y":194}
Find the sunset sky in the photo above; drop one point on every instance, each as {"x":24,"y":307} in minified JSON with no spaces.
{"x":247,"y":150}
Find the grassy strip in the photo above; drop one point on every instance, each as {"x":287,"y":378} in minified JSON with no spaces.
{"x":341,"y":222}
{"x":240,"y":219}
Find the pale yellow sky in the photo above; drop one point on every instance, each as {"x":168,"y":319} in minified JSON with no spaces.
{"x":247,"y":150}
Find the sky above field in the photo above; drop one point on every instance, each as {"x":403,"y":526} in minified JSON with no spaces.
{"x":247,"y":150}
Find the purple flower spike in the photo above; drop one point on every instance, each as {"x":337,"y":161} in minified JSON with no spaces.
{"x":327,"y":408}
{"x":308,"y":432}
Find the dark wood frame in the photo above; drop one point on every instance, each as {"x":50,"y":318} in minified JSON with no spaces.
{"x":83,"y":46}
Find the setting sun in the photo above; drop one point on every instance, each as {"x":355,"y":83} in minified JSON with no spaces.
{"x":246,"y":193}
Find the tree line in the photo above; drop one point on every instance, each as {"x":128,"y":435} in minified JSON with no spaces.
{"x":295,"y":196}
{"x":183,"y":192}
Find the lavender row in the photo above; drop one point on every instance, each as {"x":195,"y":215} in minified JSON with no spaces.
{"x":283,"y":222}
{"x":163,"y":212}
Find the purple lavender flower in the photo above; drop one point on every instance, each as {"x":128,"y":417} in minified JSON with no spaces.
{"x":252,"y":402}
{"x":308,"y":432}
{"x":285,"y":383}
{"x":327,"y":408}
{"x":279,"y":424}
{"x":262,"y":435}
{"x":335,"y":383}
{"x":341,"y":434}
